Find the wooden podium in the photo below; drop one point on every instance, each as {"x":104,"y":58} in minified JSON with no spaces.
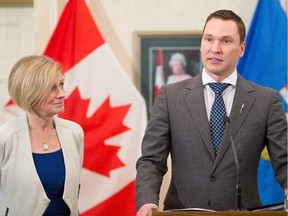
{"x":220,"y":213}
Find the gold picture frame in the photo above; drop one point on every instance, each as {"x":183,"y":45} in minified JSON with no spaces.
{"x":16,"y":3}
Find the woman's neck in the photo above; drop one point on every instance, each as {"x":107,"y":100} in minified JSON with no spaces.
{"x":39,"y":123}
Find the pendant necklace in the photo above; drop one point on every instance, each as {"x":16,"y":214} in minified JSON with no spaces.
{"x":45,"y":146}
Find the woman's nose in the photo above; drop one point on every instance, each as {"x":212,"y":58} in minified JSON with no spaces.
{"x":61,"y":93}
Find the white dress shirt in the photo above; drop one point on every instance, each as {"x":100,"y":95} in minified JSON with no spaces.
{"x":228,"y":93}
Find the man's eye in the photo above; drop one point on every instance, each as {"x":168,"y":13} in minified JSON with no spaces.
{"x":227,"y":41}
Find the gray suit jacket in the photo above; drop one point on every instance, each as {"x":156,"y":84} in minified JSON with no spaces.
{"x":179,"y":125}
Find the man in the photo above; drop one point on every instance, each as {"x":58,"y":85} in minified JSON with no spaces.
{"x":182,"y":122}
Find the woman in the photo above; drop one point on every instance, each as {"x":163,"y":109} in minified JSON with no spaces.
{"x":41,"y":155}
{"x":178,"y":64}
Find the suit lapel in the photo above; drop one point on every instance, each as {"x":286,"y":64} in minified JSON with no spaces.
{"x":242,"y":103}
{"x":194,"y":99}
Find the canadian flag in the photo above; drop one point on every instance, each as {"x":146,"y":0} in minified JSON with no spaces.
{"x":159,"y":76}
{"x":103,"y":100}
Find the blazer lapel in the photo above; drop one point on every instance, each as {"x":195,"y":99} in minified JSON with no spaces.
{"x":64,"y":147}
{"x":28,"y":162}
{"x":242,"y":103}
{"x":196,"y":105}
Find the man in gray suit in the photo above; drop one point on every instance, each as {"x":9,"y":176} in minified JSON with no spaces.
{"x":204,"y":176}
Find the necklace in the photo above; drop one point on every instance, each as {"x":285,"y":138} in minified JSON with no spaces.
{"x":45,"y":146}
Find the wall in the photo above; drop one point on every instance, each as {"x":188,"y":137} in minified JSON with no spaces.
{"x":16,"y":40}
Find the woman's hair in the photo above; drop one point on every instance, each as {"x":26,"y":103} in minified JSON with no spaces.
{"x":31,"y":79}
{"x":178,"y":57}
{"x":229,"y":15}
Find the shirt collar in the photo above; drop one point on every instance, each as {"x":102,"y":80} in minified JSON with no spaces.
{"x":231,"y":79}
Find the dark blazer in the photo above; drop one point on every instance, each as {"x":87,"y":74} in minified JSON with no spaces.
{"x":179,"y":125}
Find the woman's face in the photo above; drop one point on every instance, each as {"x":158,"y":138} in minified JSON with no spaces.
{"x":53,"y":104}
{"x":177,"y":67}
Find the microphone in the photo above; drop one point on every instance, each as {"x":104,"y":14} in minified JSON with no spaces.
{"x":238,"y":186}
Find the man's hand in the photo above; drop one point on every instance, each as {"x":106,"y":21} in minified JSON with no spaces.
{"x":146,"y":210}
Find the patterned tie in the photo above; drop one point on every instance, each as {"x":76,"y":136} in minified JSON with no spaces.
{"x":218,"y":113}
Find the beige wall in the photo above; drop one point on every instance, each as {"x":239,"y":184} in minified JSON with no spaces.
{"x":16,"y":40}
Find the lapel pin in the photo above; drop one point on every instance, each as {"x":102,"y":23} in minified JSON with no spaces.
{"x":242,"y":106}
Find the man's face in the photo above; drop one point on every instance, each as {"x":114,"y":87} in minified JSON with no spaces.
{"x":221,"y":48}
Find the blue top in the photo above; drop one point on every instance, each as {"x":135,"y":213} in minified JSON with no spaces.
{"x":51,"y":171}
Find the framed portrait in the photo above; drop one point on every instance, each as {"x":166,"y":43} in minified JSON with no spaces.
{"x":165,"y":58}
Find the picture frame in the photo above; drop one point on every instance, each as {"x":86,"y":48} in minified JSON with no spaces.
{"x":148,"y":44}
{"x":16,"y":3}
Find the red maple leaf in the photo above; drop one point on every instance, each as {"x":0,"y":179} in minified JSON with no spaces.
{"x":105,"y":123}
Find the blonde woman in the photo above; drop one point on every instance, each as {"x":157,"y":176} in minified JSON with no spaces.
{"x":41,"y":155}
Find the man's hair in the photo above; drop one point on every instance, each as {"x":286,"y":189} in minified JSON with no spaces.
{"x":229,"y":15}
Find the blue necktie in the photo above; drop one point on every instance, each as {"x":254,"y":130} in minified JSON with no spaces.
{"x":218,"y":113}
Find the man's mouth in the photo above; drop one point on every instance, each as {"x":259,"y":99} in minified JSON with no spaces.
{"x":213,"y":59}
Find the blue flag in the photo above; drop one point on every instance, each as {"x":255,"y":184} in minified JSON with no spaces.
{"x":265,"y":63}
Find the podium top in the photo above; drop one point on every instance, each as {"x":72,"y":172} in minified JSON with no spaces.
{"x":220,"y":213}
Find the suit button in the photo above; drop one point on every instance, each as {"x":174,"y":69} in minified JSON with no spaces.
{"x":213,"y":178}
